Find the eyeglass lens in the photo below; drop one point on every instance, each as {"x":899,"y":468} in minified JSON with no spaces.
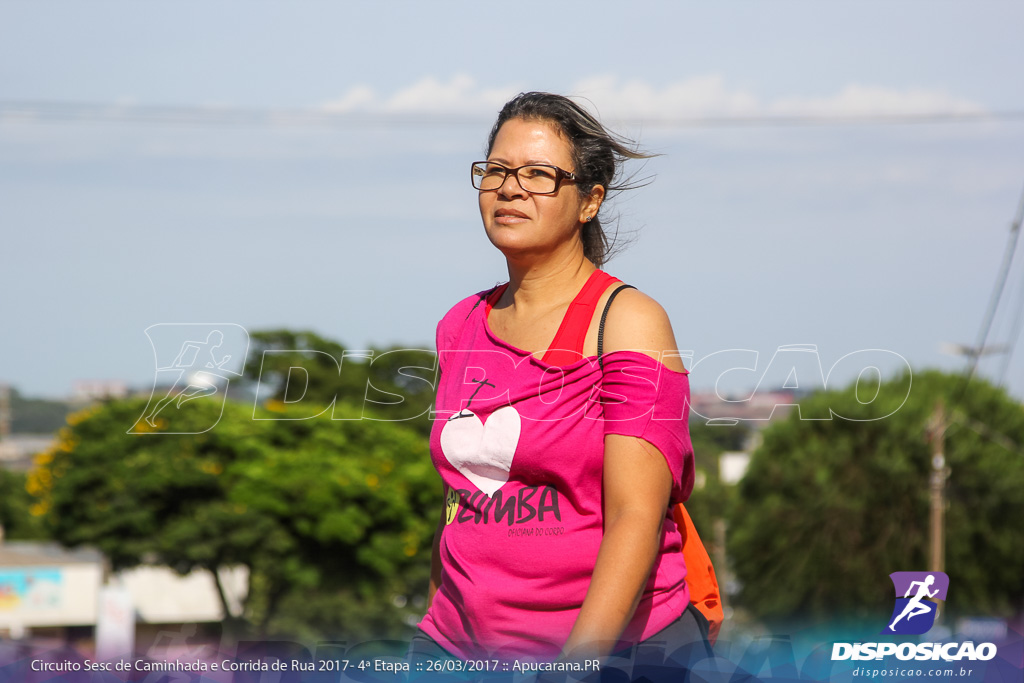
{"x":538,"y":179}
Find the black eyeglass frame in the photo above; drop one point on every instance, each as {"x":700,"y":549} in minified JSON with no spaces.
{"x":560,"y":175}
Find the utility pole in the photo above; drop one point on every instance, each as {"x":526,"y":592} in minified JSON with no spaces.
{"x":936,"y":435}
{"x":937,"y":522}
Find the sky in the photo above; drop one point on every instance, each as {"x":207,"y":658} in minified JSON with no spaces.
{"x":840,"y":176}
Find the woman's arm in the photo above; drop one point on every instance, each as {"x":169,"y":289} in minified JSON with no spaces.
{"x":637,"y":489}
{"x":637,"y":485}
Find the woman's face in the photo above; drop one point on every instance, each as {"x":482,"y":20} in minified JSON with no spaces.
{"x":519,"y":223}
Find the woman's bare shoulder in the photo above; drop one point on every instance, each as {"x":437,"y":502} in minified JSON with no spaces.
{"x":636,"y":322}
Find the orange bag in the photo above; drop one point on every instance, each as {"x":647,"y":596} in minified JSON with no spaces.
{"x":700,"y":574}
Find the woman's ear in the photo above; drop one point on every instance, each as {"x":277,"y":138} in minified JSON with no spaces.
{"x":591,"y":204}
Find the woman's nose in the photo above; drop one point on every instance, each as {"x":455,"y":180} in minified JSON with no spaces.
{"x":510,"y":187}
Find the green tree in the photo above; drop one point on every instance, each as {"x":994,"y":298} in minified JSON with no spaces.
{"x":828,"y":508}
{"x":360,"y":496}
{"x":36,"y":415}
{"x":15,"y":505}
{"x":711,"y":499}
{"x":319,"y":511}
{"x":320,"y":376}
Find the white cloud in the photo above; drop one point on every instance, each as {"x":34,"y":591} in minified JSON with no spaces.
{"x":458,"y":96}
{"x":699,"y":97}
{"x":866,"y":100}
{"x":358,"y":97}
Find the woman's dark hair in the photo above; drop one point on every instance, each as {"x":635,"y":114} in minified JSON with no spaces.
{"x":597,"y":154}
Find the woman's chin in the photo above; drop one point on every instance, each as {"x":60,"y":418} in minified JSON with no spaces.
{"x":525,"y":248}
{"x":507,"y":239}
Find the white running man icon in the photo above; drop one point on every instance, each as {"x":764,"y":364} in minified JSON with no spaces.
{"x":914,"y":607}
{"x":203,"y":364}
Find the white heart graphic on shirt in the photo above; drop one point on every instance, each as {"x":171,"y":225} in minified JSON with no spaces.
{"x":482,"y":452}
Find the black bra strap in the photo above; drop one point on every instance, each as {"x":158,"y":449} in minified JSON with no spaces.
{"x":600,"y":328}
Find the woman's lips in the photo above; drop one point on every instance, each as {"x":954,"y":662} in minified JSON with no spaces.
{"x":509,"y":216}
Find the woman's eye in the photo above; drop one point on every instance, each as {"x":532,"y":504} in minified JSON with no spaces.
{"x":494,"y":170}
{"x":538,"y":172}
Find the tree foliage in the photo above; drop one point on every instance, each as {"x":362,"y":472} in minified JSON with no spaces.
{"x":318,"y":375}
{"x":36,"y":415}
{"x":321,"y":511}
{"x":711,"y":499}
{"x":828,"y":508}
{"x":15,"y":502}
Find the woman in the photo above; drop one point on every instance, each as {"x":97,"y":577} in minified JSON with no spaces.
{"x":558,"y":465}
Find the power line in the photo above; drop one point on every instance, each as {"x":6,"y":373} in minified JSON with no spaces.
{"x":986,"y":432}
{"x":61,"y":112}
{"x":1015,"y":329}
{"x":997,"y":292}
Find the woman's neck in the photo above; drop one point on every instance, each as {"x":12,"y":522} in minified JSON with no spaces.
{"x":548,"y":282}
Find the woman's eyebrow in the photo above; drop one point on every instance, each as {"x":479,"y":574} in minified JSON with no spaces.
{"x":529,"y":162}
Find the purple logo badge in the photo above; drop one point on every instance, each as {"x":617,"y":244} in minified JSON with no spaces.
{"x":916,"y":593}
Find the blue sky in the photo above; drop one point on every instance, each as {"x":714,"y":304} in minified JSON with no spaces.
{"x":844,"y":234}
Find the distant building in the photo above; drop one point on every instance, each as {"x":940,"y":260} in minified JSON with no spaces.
{"x":757,"y":409}
{"x":52,"y":593}
{"x":17,"y":451}
{"x":45,"y":587}
{"x":88,"y":390}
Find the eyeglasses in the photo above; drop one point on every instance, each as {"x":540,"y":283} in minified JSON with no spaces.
{"x":489,"y":176}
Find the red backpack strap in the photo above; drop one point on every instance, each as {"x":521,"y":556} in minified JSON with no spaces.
{"x":567,"y":346}
{"x":492,"y":298}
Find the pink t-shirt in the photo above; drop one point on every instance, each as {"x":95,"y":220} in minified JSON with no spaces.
{"x":519,"y":444}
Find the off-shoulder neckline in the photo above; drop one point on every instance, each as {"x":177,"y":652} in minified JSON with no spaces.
{"x":590,"y":360}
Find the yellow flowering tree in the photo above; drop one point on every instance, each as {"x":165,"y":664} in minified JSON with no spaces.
{"x":15,"y":503}
{"x":332,"y":518}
